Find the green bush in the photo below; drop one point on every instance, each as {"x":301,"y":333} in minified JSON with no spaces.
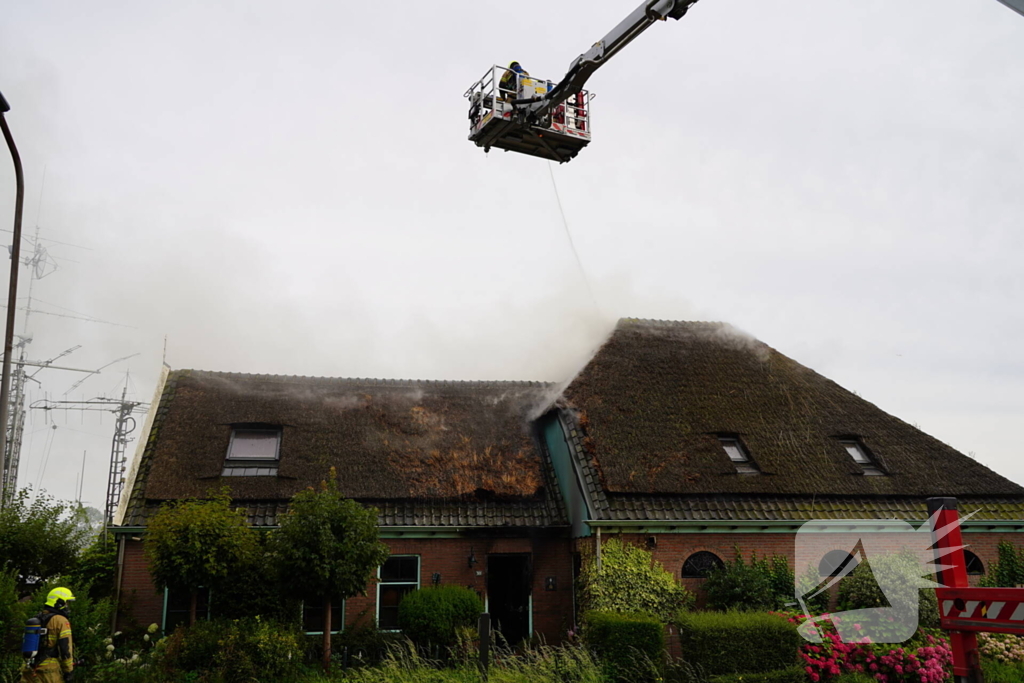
{"x":629,"y":580}
{"x":629,"y":645}
{"x":737,"y":642}
{"x":794,"y":674}
{"x":12,"y":612}
{"x":853,"y":677}
{"x":1008,"y":570}
{"x":365,"y":643}
{"x":431,"y":616}
{"x":1002,"y":672}
{"x":860,"y":590}
{"x":233,"y":651}
{"x":763,"y":584}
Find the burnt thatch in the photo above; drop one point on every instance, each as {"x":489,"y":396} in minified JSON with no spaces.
{"x":657,"y":395}
{"x":386,"y":439}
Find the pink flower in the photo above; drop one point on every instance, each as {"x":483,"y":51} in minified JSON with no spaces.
{"x":815,"y":678}
{"x":856,"y":627}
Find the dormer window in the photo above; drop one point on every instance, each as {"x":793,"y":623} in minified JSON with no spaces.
{"x":738,"y":454}
{"x":860,"y":455}
{"x":253,"y":451}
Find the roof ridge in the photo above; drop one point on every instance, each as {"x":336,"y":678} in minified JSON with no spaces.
{"x":380,"y":381}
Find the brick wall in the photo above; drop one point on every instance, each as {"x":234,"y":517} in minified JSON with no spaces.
{"x":673,"y":549}
{"x":139,"y":597}
{"x":552,"y":610}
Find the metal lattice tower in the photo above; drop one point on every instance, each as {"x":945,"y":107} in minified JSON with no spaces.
{"x":124,"y":410}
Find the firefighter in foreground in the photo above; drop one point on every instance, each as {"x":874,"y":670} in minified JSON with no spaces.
{"x":52,"y":662}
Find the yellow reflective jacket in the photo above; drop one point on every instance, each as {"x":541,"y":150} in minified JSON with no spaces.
{"x":57,"y":649}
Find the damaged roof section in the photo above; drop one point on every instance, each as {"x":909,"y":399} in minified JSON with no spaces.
{"x":394,"y":440}
{"x":658,"y":396}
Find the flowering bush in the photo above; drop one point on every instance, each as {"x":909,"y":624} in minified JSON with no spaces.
{"x":1002,"y":646}
{"x":926,"y":658}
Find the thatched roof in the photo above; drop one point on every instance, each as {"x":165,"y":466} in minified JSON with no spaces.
{"x":387,"y":439}
{"x":652,"y":402}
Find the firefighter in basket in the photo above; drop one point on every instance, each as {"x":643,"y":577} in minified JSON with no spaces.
{"x":509,"y":84}
{"x":47,"y":642}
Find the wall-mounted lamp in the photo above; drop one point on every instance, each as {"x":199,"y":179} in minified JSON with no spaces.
{"x":551,"y":583}
{"x":436,"y":578}
{"x":472,"y":558}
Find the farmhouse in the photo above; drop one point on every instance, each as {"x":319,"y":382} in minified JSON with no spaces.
{"x":690,"y":439}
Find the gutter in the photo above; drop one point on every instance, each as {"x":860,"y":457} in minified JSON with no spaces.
{"x":689,"y":526}
{"x":397,"y":531}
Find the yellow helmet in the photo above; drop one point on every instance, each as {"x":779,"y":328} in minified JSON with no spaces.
{"x":58,"y":598}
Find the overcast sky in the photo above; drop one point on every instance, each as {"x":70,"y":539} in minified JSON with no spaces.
{"x":287,"y":188}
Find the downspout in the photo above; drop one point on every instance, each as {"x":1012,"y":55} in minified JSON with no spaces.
{"x":597,"y":553}
{"x":117,"y":585}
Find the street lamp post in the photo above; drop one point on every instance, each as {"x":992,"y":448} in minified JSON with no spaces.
{"x":6,"y":487}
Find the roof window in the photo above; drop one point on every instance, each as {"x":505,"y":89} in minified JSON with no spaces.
{"x":254,"y":444}
{"x":738,"y":454}
{"x":253,"y":452}
{"x":860,"y":455}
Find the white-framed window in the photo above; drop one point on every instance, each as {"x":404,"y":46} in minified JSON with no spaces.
{"x":257,"y":444}
{"x":396,"y":578}
{"x":738,"y":454}
{"x":177,"y":604}
{"x":860,"y":455}
{"x":313,"y":618}
{"x":253,"y":451}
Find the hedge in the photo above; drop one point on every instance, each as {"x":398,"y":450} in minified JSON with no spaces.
{"x":794,"y":674}
{"x":628,"y":644}
{"x":737,"y":642}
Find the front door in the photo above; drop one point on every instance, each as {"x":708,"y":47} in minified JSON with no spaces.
{"x":509,"y":579}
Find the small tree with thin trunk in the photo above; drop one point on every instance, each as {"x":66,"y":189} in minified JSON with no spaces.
{"x":194,"y":543}
{"x":327,"y":548}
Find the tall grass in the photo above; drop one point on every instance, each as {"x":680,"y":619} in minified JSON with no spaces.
{"x":542,"y":664}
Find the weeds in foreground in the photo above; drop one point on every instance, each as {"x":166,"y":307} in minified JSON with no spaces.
{"x":541,"y":664}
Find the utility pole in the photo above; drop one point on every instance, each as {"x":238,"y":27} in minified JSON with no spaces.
{"x":125,"y":424}
{"x":12,"y":299}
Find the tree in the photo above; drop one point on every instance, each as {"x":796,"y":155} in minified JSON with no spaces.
{"x":39,"y":539}
{"x":328,"y":546}
{"x":194,"y":543}
{"x":97,"y":567}
{"x":630,"y":581}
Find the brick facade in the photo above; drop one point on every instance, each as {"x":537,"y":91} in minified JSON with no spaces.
{"x":449,"y":557}
{"x":551,"y":558}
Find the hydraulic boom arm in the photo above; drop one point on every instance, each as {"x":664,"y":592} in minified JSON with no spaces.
{"x":622,"y":35}
{"x":642,"y":18}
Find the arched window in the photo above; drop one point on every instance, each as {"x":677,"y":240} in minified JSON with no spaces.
{"x":836,"y":563}
{"x":700,"y":563}
{"x":974,"y":564}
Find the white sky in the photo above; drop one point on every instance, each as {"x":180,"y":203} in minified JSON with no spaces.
{"x":288,"y":188}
